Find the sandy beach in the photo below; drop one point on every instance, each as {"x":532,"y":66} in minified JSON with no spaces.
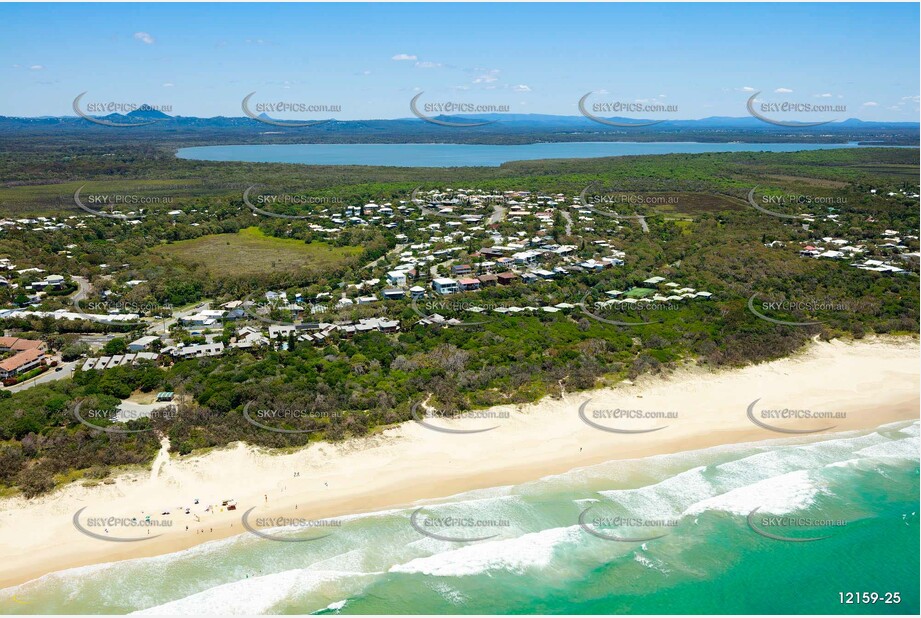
{"x":861,"y":384}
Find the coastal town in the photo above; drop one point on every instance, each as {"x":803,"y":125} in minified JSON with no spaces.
{"x":460,"y":245}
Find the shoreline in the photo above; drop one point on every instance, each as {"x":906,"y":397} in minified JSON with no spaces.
{"x":874,"y":382}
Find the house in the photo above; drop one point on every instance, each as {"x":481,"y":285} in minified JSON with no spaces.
{"x":51,"y":281}
{"x":280,"y":330}
{"x":21,"y":362}
{"x":488,"y":280}
{"x":396,"y":277}
{"x":469,"y":283}
{"x":198,"y":351}
{"x":879,"y":266}
{"x":506,"y":278}
{"x":15,"y":344}
{"x":382,"y":324}
{"x":461,"y":269}
{"x":526,"y":257}
{"x":444,"y":286}
{"x":249,"y":337}
{"x":417,"y":292}
{"x":207,"y":317}
{"x":394,"y":294}
{"x":810,"y":251}
{"x":139,"y":345}
{"x":29,"y":354}
{"x":592,"y":265}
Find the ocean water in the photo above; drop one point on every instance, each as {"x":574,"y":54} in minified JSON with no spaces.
{"x":464,"y":155}
{"x":677,"y":540}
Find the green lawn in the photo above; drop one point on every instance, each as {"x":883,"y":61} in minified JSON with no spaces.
{"x":639,"y":293}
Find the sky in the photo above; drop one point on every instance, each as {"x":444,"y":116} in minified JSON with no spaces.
{"x":370,"y":60}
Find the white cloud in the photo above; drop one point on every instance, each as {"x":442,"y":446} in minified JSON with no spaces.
{"x":521,"y":88}
{"x":144,"y":37}
{"x":824,"y":95}
{"x":871,"y":104}
{"x":487,"y":77}
{"x":168,"y":85}
{"x":783,"y":91}
{"x":747,"y":89}
{"x":37,"y":67}
{"x":405,"y":57}
{"x":428,"y":65}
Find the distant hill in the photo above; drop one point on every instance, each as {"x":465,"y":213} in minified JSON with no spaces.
{"x":178,"y":131}
{"x":147,"y":112}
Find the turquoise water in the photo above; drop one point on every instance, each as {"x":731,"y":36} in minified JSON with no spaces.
{"x":542,"y":561}
{"x":463,"y":155}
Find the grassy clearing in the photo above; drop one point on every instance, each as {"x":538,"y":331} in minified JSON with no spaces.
{"x":58,"y":198}
{"x":696,"y":204}
{"x":251,"y":252}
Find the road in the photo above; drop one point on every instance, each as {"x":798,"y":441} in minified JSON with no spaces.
{"x":643,"y":224}
{"x":395,"y":251}
{"x":433,"y":270}
{"x":83,"y":290}
{"x":568,"y":218}
{"x":498,"y":213}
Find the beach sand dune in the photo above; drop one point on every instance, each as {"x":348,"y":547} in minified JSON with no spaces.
{"x":860,"y":384}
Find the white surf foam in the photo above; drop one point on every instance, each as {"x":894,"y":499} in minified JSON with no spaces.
{"x":255,"y":595}
{"x":779,"y":494}
{"x":906,"y":448}
{"x":668,"y":497}
{"x":534,"y":550}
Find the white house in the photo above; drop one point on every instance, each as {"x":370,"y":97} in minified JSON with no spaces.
{"x":139,"y":345}
{"x":444,"y":286}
